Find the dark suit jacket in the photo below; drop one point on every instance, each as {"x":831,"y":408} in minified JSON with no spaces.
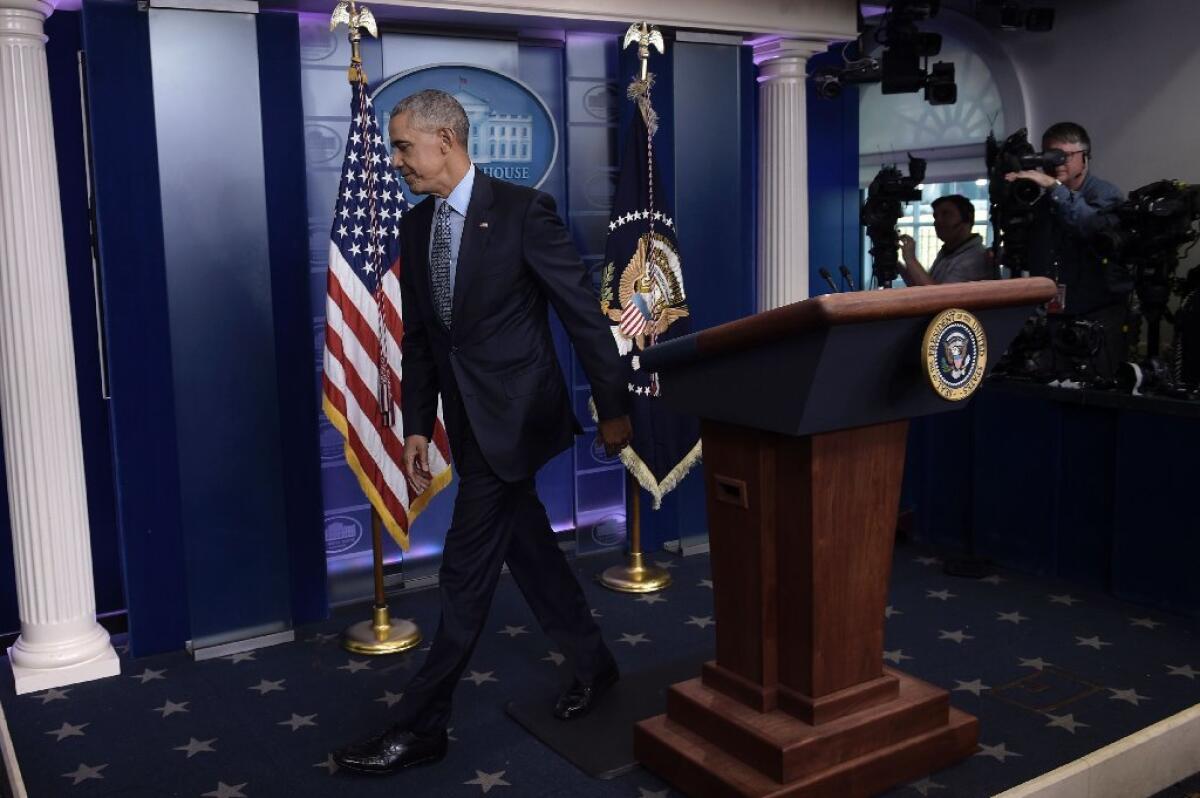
{"x":499,"y":356}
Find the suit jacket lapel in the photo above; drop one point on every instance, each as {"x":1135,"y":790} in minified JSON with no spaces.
{"x":418,"y":261}
{"x":476,"y":230}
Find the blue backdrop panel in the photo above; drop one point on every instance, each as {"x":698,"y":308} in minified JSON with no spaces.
{"x":1084,"y":511}
{"x":287,"y":212}
{"x":1155,"y":545}
{"x":142,"y":408}
{"x":218,"y":271}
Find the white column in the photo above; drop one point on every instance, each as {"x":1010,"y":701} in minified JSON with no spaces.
{"x":60,"y":641}
{"x":782,"y":170}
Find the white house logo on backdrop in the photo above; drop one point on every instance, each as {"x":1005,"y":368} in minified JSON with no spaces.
{"x":513,"y":135}
{"x":342,"y":533}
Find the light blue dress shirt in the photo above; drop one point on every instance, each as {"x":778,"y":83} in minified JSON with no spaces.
{"x":460,"y":200}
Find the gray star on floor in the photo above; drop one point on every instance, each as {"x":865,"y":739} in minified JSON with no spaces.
{"x":450,"y":734}
{"x":1038,"y":663}
{"x":1091,"y":642}
{"x":958,"y":635}
{"x":480,"y":678}
{"x":355,"y":665}
{"x":1145,"y":623}
{"x":994,"y":579}
{"x":195,"y":746}
{"x":67,"y":730}
{"x":170,"y":708}
{"x":896,"y":657}
{"x":225,"y":791}
{"x":513,"y":631}
{"x":1067,"y":722}
{"x":651,"y":598}
{"x":925,"y":785}
{"x":889,"y":611}
{"x":633,"y":640}
{"x":555,"y":657}
{"x":486,"y":781}
{"x":596,"y":613}
{"x":644,"y":793}
{"x":1182,"y":670}
{"x":148,"y":675}
{"x":926,"y":560}
{"x":298,"y":721}
{"x":83,"y":773}
{"x":1011,"y":617}
{"x":668,"y":564}
{"x":705,"y":583}
{"x":242,"y":656}
{"x":53,"y":695}
{"x":997,"y":752}
{"x":328,"y":764}
{"x":940,"y":594}
{"x":1066,"y":599}
{"x":390,"y":698}
{"x":702,"y":622}
{"x":975,"y":686}
{"x":1130,"y":695}
{"x":267,"y":686}
{"x":320,"y":638}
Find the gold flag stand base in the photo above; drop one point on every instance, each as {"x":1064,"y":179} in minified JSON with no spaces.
{"x":635,"y":576}
{"x":381,"y":635}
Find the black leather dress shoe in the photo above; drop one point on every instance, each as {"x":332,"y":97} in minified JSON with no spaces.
{"x":391,"y":750}
{"x":580,"y":697}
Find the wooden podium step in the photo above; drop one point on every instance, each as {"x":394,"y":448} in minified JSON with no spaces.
{"x":710,"y":746}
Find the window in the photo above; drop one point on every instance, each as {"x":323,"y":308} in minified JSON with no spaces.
{"x":917,"y":222}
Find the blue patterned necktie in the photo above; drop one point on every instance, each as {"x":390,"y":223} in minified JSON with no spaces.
{"x":439,"y":262}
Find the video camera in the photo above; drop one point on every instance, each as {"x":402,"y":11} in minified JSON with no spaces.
{"x":1144,"y":238}
{"x":884,"y":206}
{"x":898,"y":69}
{"x":1011,"y":203}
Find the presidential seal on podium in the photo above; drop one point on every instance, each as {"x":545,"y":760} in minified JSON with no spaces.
{"x":954,"y":354}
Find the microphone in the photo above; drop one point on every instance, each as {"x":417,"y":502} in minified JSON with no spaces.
{"x":827,"y":277}
{"x":846,"y":274}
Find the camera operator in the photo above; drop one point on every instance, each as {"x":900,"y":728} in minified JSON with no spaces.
{"x":962,"y":257}
{"x":1076,"y":205}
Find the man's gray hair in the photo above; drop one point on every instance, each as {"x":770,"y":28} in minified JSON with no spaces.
{"x":432,"y":110}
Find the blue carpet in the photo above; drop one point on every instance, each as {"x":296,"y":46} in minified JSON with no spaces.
{"x":1052,"y":672}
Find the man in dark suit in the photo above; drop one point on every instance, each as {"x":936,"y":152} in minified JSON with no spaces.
{"x":482,"y":260}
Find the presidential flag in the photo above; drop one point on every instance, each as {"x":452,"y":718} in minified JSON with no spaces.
{"x":363,"y":328}
{"x":642,"y":294}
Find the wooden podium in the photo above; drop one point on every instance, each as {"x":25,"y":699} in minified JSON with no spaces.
{"x":804,"y":417}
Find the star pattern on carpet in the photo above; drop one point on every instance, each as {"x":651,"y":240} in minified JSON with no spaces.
{"x":896,"y":657}
{"x":1091,"y":642}
{"x":67,"y":730}
{"x":1145,"y":623}
{"x":148,"y":675}
{"x":194,"y":746}
{"x":1012,"y":617}
{"x":555,"y":657}
{"x":1067,"y":722}
{"x":480,"y":678}
{"x":705,"y":583}
{"x":1182,"y":670}
{"x":328,"y":764}
{"x":702,"y":621}
{"x":958,"y":635}
{"x":241,"y":656}
{"x":999,"y":752}
{"x":355,"y":665}
{"x":651,"y":598}
{"x":266,"y":686}
{"x":84,"y":773}
{"x":889,"y":611}
{"x":53,"y":694}
{"x":634,"y":640}
{"x":942,"y":595}
{"x":1130,"y":696}
{"x":486,"y":781}
{"x":390,"y":698}
{"x":926,"y":785}
{"x":975,"y":686}
{"x":224,"y":790}
{"x":171,"y":708}
{"x":1066,"y":599}
{"x":1036,"y":662}
{"x":297,"y":722}
{"x":513,"y":631}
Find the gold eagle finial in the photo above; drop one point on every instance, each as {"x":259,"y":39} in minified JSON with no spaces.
{"x":357,"y":18}
{"x":646,"y":36}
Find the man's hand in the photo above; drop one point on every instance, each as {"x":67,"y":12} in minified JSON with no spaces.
{"x":416,"y":462}
{"x":1041,"y":178}
{"x":615,"y":434}
{"x":908,"y":248}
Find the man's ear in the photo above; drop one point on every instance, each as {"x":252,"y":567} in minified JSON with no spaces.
{"x":447,"y":138}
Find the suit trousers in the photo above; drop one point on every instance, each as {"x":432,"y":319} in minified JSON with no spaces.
{"x":496,"y":522}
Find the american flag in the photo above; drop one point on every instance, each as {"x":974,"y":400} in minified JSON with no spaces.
{"x":363,"y":328}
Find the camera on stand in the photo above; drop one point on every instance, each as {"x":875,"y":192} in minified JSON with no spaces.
{"x":1141,"y":250}
{"x":1011,"y":203}
{"x":884,"y":206}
